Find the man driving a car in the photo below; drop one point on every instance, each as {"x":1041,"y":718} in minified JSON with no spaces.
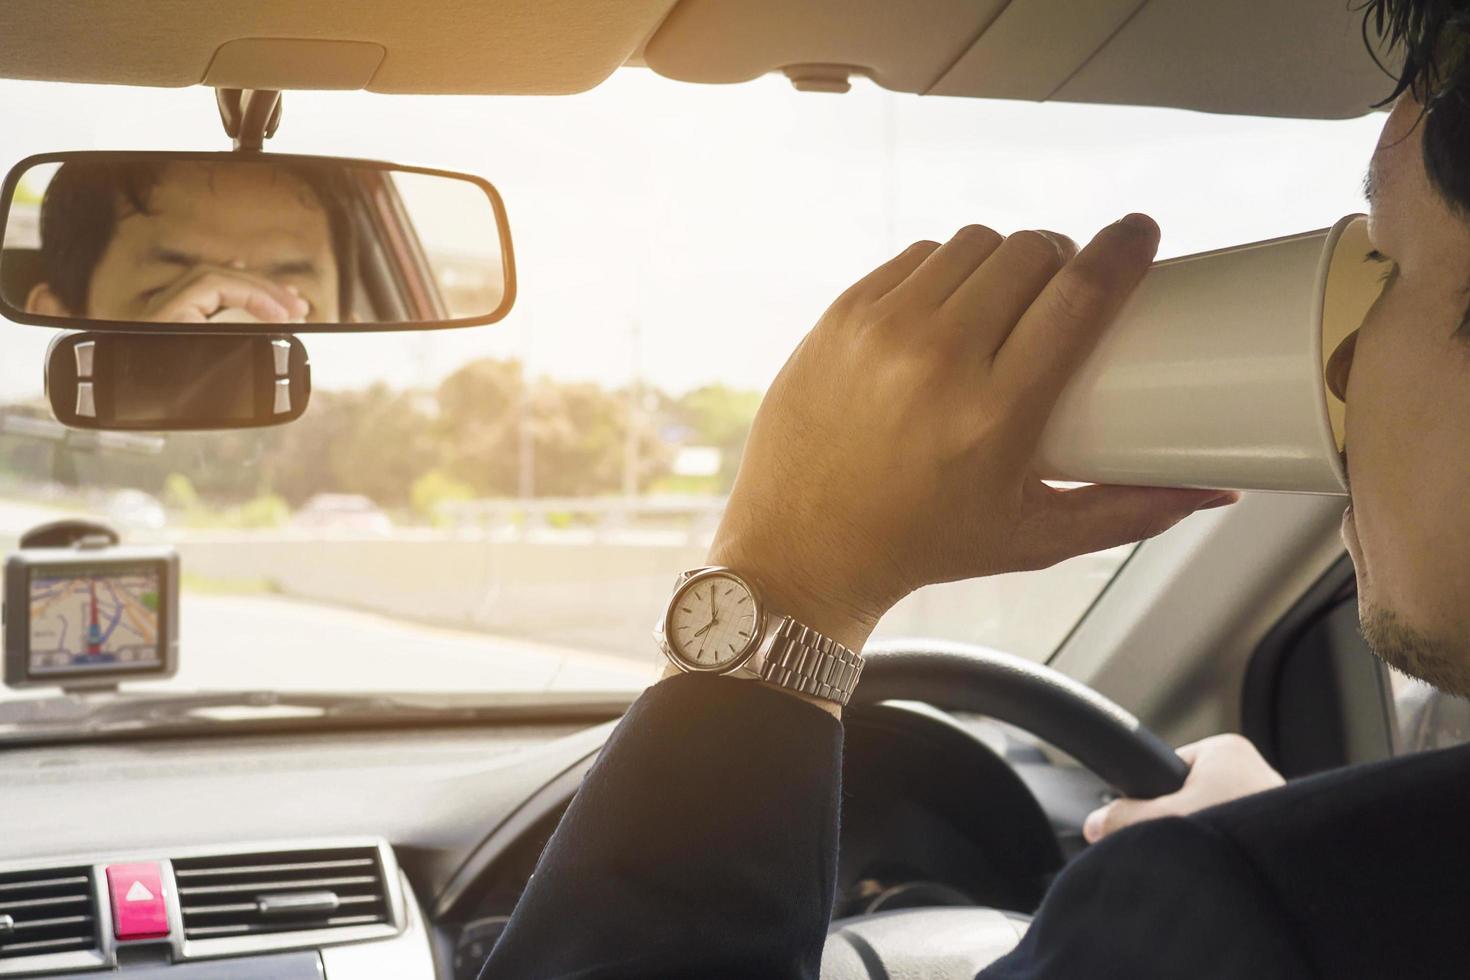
{"x":193,"y":242}
{"x":894,"y":451}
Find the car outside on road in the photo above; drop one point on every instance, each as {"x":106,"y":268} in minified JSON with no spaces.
{"x":341,"y":512}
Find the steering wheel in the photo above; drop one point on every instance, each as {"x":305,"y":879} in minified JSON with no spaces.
{"x":958,"y":942}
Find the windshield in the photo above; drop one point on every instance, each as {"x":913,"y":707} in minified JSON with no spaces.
{"x":504,"y":508}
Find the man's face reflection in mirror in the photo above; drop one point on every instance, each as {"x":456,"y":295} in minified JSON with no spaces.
{"x":193,"y":242}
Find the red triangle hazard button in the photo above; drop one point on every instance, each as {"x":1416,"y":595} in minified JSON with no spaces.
{"x":138,"y":909}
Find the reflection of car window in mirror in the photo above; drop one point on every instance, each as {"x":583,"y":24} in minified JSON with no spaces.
{"x":450,"y":218}
{"x":212,"y":238}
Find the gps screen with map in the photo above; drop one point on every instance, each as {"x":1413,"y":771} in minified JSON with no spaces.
{"x":86,"y":617}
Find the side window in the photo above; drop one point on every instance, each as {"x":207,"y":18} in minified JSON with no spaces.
{"x":1315,"y":697}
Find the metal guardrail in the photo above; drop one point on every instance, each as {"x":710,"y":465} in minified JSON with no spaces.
{"x":673,"y":505}
{"x":678,"y":519}
{"x":33,"y":427}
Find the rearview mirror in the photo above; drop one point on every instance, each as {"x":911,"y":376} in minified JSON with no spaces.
{"x":159,"y":382}
{"x":264,"y":242}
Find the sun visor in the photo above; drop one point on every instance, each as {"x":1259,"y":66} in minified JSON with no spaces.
{"x":1304,"y":58}
{"x":1265,"y":57}
{"x":540,"y":47}
{"x":902,"y":46}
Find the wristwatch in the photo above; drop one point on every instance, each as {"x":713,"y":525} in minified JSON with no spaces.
{"x":717,"y":623}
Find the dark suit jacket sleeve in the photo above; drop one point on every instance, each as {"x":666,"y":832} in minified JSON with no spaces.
{"x":1170,"y":898}
{"x":1354,"y":873}
{"x":703,"y":843}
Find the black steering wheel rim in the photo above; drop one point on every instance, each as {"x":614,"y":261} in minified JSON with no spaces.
{"x":1071,"y":716}
{"x":955,"y":943}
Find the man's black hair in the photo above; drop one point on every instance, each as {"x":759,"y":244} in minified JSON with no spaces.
{"x":1434,"y":38}
{"x":85,"y":200}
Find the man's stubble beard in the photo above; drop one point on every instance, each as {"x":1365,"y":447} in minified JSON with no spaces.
{"x":1405,"y":649}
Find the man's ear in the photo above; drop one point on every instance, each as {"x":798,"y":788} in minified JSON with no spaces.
{"x":45,"y":302}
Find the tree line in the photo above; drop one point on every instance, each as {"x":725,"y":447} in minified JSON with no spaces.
{"x":485,"y":431}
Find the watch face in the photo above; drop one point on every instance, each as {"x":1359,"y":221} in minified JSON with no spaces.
{"x":712,"y":621}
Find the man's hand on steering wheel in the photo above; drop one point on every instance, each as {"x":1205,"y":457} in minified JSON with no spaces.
{"x":1221,"y":768}
{"x":895,"y":448}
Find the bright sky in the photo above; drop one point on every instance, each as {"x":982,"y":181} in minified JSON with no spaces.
{"x":716,"y":223}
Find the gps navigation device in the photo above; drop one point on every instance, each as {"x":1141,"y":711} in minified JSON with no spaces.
{"x":90,"y":616}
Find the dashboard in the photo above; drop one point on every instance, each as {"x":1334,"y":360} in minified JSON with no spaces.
{"x":334,"y":854}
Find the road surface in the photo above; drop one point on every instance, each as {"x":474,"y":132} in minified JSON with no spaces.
{"x":270,"y":643}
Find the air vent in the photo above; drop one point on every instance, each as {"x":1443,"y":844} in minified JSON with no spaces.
{"x":52,"y":910}
{"x":282,"y":891}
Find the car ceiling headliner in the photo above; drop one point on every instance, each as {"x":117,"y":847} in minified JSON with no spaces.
{"x":1261,"y":57}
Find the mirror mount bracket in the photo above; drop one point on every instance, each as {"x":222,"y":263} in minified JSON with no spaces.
{"x":250,"y":115}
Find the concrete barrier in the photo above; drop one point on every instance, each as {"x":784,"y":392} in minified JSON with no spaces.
{"x":593,"y":595}
{"x":591,"y":588}
{"x":599,"y":593}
